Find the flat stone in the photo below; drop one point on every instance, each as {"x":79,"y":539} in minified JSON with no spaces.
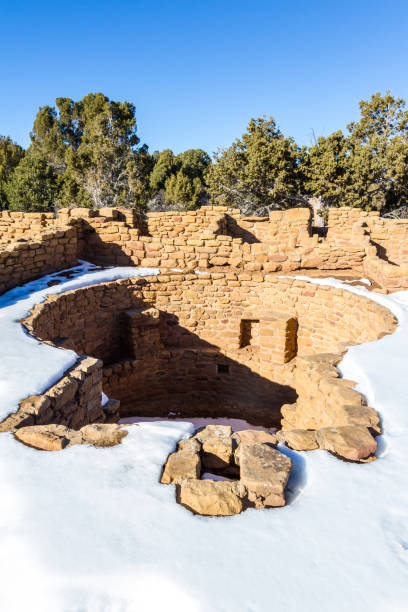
{"x":298,"y":439}
{"x":210,"y":431}
{"x":189,"y":444}
{"x":360,"y":415}
{"x":45,"y":437}
{"x":103,"y":434}
{"x":180,"y":466}
{"x":354,"y":443}
{"x":212,"y":498}
{"x":252,"y":436}
{"x":264,"y":472}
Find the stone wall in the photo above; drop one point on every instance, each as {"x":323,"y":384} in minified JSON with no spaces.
{"x":15,"y":226}
{"x":219,"y":344}
{"x":45,"y":252}
{"x":33,"y":244}
{"x":74,"y":401}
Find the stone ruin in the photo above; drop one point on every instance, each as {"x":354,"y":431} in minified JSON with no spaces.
{"x":243,"y":338}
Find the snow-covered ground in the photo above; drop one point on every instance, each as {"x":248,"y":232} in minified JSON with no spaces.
{"x":92,"y":530}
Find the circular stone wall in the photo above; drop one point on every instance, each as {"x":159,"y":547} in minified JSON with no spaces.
{"x":220,"y":344}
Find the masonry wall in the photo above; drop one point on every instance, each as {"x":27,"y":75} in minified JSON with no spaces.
{"x":200,"y":329}
{"x":390,"y":236}
{"x":15,"y":226}
{"x":47,"y":252}
{"x":75,"y":400}
{"x":211,"y":238}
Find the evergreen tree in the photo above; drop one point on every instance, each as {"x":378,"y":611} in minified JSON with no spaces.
{"x":165,"y":165}
{"x":182,"y":191}
{"x":33,"y":186}
{"x":10,"y":156}
{"x":92,"y":145}
{"x":262,"y":169}
{"x":369,"y":166}
{"x":194,"y":163}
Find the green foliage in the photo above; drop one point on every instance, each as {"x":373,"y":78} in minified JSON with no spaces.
{"x":181,"y":177}
{"x":368,"y":167}
{"x":165,"y":166}
{"x":10,"y":156}
{"x":87,"y":153}
{"x":183,"y":191}
{"x":33,"y":185}
{"x":194,"y":163}
{"x":261,"y":169}
{"x":92,"y":145}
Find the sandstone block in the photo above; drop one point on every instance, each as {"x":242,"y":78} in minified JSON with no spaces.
{"x":251,"y":436}
{"x":44,"y":437}
{"x":181,"y":465}
{"x":211,"y":498}
{"x":191,"y":444}
{"x":298,"y":439}
{"x":354,"y":443}
{"x":264,"y":472}
{"x":216,"y":446}
{"x":103,"y":434}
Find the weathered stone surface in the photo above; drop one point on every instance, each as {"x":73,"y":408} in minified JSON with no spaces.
{"x":103,"y":434}
{"x":212,"y":498}
{"x":359,"y":415}
{"x":354,"y":443}
{"x":298,"y":439}
{"x":211,"y":431}
{"x":191,"y":444}
{"x":251,"y":436}
{"x":216,"y":446}
{"x":45,"y":437}
{"x":265,"y":472}
{"x":181,"y":465}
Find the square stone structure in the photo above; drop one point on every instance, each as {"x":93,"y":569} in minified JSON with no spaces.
{"x":141,"y":331}
{"x":274,"y":333}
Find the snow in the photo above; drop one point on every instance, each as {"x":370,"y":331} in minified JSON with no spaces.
{"x":197,"y":422}
{"x":92,"y":529}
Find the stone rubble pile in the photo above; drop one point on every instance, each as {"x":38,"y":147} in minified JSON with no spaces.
{"x":253,"y":473}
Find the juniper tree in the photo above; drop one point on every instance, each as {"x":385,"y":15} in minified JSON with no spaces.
{"x":367,"y":167}
{"x":10,"y":156}
{"x":33,"y":186}
{"x":262,"y":169}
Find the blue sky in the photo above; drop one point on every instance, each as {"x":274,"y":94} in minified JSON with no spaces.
{"x":198,"y":71}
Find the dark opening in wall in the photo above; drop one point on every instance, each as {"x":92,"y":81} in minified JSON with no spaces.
{"x":249,"y":333}
{"x":222,"y":368}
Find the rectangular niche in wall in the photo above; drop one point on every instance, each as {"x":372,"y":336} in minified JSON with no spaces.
{"x":249,"y":333}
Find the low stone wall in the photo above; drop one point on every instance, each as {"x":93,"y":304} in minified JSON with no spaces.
{"x":15,"y":226}
{"x":390,"y":236}
{"x":74,"y":401}
{"x":389,"y":277}
{"x":198,"y":382}
{"x":44,"y":253}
